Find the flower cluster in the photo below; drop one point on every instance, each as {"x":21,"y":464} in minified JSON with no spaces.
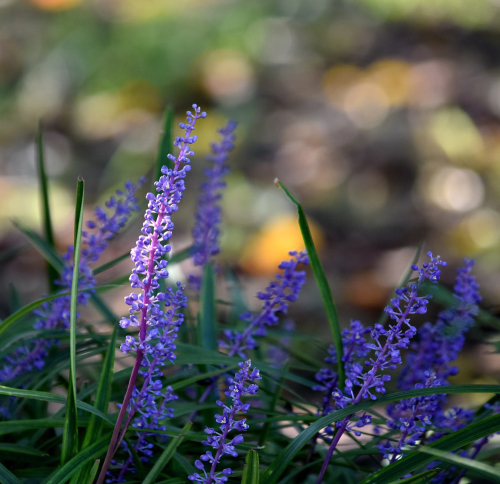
{"x":55,"y":314}
{"x":354,"y":351}
{"x":157,"y":326}
{"x":440,"y":343}
{"x":278,"y":295}
{"x":149,"y":403}
{"x":208,"y":216}
{"x":429,"y":364}
{"x":387,"y":353}
{"x":218,"y":440}
{"x":411,"y":417}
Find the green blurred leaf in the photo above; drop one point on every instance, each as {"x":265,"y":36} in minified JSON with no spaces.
{"x":324,"y":287}
{"x":478,"y":467}
{"x":70,"y":434}
{"x":101,"y":403}
{"x":166,"y":455}
{"x":111,"y":263}
{"x":79,"y":460}
{"x":251,"y":469}
{"x":21,"y":449}
{"x":207,"y":315}
{"x":50,"y":397}
{"x":417,"y":459}
{"x":6,"y":477}
{"x":46,"y":217}
{"x":281,"y":462}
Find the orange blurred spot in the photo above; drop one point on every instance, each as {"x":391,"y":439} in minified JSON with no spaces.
{"x":264,"y":251}
{"x":55,"y":5}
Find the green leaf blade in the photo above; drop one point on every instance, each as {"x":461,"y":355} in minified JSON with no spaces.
{"x":321,"y":280}
{"x":251,"y":469}
{"x":70,"y":434}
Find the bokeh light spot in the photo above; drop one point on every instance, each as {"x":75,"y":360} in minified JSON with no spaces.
{"x":228,"y":76}
{"x":458,"y":190}
{"x":366,"y":105}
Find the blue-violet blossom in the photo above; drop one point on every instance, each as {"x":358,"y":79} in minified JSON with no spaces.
{"x":208,"y":216}
{"x":218,"y":440}
{"x":277,"y":296}
{"x":157,"y":327}
{"x":387,"y":354}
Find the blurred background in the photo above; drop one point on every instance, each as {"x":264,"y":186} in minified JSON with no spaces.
{"x":381,"y":116}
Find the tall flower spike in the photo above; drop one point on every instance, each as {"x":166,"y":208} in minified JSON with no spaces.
{"x":157,"y":328}
{"x":429,"y":364}
{"x":387,"y":354}
{"x":278,"y":295}
{"x":55,"y":314}
{"x":208,"y":216}
{"x":280,"y":292}
{"x":219,"y":440}
{"x":439,"y":344}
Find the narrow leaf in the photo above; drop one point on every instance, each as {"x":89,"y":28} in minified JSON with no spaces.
{"x":281,"y":462}
{"x":46,"y":218}
{"x":207,"y":315}
{"x":111,"y":263}
{"x":417,"y":460}
{"x":70,"y":434}
{"x":478,"y":467}
{"x":324,"y":287}
{"x":251,"y":469}
{"x":6,"y":477}
{"x":83,"y":457}
{"x":166,"y":455}
{"x":101,"y":403}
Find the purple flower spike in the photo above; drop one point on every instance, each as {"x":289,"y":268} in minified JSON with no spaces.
{"x":157,"y":314}
{"x":55,"y":314}
{"x":387,"y":347}
{"x":354,"y":352}
{"x":440,"y":343}
{"x":278,"y":295}
{"x":218,"y":440}
{"x":208,"y":216}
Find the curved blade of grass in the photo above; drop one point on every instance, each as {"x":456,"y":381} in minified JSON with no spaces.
{"x":46,"y":218}
{"x":12,"y":426}
{"x":451,"y":442}
{"x":111,"y":263}
{"x":21,"y":449}
{"x":251,"y":469}
{"x":89,"y":478}
{"x":166,"y":455}
{"x":278,"y":388}
{"x":418,"y":478}
{"x":101,"y":403}
{"x":6,"y":477}
{"x":9,"y":321}
{"x":207,"y":314}
{"x":473,"y":465}
{"x":51,"y":397}
{"x":324,"y":287}
{"x":70,"y":434}
{"x":46,"y":250}
{"x":280,"y":463}
{"x":79,"y":460}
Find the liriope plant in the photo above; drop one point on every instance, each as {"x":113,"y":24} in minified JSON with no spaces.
{"x":205,"y":396}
